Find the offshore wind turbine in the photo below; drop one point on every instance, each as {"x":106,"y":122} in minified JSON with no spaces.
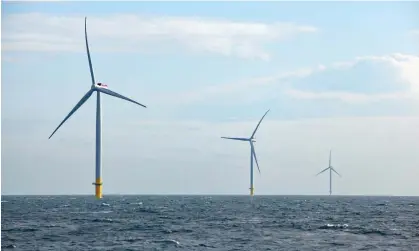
{"x":251,"y":140}
{"x":330,"y":168}
{"x":98,"y":88}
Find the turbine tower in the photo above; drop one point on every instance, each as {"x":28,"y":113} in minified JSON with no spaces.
{"x":98,"y":88}
{"x":252,"y":152}
{"x":330,"y":168}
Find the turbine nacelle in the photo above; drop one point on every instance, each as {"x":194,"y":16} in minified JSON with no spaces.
{"x":99,"y":86}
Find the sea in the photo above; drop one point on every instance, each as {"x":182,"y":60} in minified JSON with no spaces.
{"x":131,"y":222}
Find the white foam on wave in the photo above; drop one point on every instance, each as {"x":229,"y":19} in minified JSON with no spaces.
{"x":103,"y":212}
{"x":175,"y":241}
{"x":337,"y":225}
{"x":252,"y":220}
{"x":95,"y":212}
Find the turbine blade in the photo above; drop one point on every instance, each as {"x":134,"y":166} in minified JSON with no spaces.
{"x":336,"y":172}
{"x":78,"y":105}
{"x":254,"y":155}
{"x":88,"y":52}
{"x":112,"y":93}
{"x":241,"y":139}
{"x":330,"y":158}
{"x":254,"y":132}
{"x":323,"y":170}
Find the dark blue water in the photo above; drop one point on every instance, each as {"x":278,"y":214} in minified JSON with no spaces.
{"x":209,"y":223}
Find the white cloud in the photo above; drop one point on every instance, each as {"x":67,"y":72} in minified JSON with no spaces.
{"x":414,"y":32}
{"x":397,"y":72}
{"x":9,"y":59}
{"x":345,"y":96}
{"x":124,"y":32}
{"x":244,"y":90}
{"x":404,"y":67}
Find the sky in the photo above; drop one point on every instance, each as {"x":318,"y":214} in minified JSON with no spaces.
{"x":335,"y":75}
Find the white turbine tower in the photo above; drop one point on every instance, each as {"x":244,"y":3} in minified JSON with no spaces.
{"x":330,"y":168}
{"x":252,"y":152}
{"x":98,"y":88}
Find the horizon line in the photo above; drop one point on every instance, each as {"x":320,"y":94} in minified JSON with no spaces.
{"x":237,"y":195}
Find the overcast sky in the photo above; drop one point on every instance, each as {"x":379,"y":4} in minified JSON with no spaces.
{"x":340,"y":76}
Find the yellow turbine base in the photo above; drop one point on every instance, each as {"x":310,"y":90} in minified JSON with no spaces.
{"x":98,"y":188}
{"x":251,"y":191}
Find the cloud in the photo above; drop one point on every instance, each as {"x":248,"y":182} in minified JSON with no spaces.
{"x":414,"y":32}
{"x":10,"y":59}
{"x":239,"y":91}
{"x":345,"y":96}
{"x":363,"y":79}
{"x":368,"y":78}
{"x":125,"y":32}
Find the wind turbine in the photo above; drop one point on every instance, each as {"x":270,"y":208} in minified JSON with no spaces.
{"x":98,"y":88}
{"x":330,"y":168}
{"x":251,"y":140}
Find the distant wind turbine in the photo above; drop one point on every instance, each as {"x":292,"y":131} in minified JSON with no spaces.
{"x":330,"y":168}
{"x":252,"y":152}
{"x":98,"y":88}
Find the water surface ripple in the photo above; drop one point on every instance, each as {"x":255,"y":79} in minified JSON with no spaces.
{"x":209,"y":223}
